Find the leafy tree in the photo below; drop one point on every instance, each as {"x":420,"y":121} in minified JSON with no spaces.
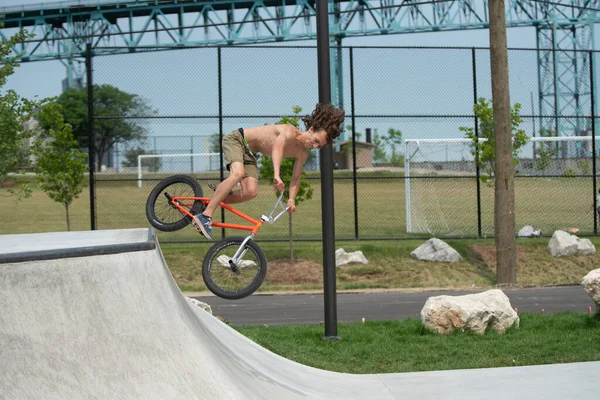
{"x":544,"y":152}
{"x":394,"y":138}
{"x":131,"y":159}
{"x":59,"y":165}
{"x":305,"y":191}
{"x":14,"y":112}
{"x":483,"y":150}
{"x":379,"y":154}
{"x":214,"y":144}
{"x":108,"y":101}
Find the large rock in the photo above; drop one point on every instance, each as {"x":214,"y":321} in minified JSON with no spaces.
{"x":472,"y":312}
{"x":591,"y":284}
{"x":585,"y":247}
{"x":435,"y":250}
{"x":562,"y":244}
{"x":201,"y":304}
{"x":343,"y":258}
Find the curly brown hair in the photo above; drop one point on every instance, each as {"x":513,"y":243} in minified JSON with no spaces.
{"x":327,"y":117}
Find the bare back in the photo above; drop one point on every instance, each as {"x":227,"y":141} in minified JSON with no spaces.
{"x":262,"y":138}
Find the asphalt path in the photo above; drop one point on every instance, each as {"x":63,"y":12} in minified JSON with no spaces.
{"x":286,"y":309}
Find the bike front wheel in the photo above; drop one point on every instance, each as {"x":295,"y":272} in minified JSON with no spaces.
{"x":231,"y":279}
{"x":162,"y":214}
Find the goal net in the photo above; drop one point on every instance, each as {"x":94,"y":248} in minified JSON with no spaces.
{"x":177,"y":163}
{"x":440,"y":184}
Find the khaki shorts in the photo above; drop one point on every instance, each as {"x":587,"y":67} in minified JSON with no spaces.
{"x":234,"y":150}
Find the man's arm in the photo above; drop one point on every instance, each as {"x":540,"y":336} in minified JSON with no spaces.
{"x":277,"y":157}
{"x":295,"y":182}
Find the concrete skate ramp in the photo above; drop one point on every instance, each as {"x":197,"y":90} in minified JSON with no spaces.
{"x":110,"y":323}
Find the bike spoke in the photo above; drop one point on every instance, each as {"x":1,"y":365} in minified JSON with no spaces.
{"x":229,"y":279}
{"x":164,"y":210}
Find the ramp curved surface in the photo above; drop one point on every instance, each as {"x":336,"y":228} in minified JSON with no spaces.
{"x":103,"y":318}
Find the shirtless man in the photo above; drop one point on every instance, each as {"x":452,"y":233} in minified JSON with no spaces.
{"x":277,"y":141}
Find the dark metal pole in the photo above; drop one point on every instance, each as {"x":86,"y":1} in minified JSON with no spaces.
{"x":91,"y":134}
{"x":222,"y":173}
{"x":326,"y":159}
{"x":593,"y":113}
{"x":354,"y":177}
{"x":477,"y":171}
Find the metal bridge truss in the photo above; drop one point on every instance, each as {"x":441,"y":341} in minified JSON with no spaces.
{"x":565,"y":30}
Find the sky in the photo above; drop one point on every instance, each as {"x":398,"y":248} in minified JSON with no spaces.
{"x":44,"y":79}
{"x":438,"y":83}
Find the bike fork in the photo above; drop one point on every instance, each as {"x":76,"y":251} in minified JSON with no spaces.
{"x":239,"y":254}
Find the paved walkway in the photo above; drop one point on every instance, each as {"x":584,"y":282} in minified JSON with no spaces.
{"x":352,"y":307}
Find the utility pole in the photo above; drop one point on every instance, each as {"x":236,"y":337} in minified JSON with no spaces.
{"x":504,"y":195}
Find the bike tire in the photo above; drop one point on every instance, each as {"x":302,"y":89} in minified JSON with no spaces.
{"x":238,"y":286}
{"x":161,"y":214}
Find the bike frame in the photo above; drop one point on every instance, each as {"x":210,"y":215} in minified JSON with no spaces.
{"x":180,"y":204}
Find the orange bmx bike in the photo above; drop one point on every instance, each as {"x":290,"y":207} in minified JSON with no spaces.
{"x":234,"y":267}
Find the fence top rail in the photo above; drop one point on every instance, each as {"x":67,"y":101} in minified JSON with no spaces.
{"x":533,"y":139}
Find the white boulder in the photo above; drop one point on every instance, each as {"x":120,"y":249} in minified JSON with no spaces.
{"x":472,"y":312}
{"x":591,"y":284}
{"x":585,"y":247}
{"x":435,"y":250}
{"x":528,"y":231}
{"x":562,"y":244}
{"x":201,"y":304}
{"x":343,"y":258}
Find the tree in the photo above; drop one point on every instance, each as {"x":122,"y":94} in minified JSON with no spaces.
{"x":544,"y":152}
{"x":214,"y":143}
{"x":484,"y":150}
{"x":379,"y":154}
{"x":59,"y":165}
{"x":109,"y":101}
{"x":305,"y":191}
{"x":394,"y":138}
{"x":14,"y":112}
{"x":131,"y":159}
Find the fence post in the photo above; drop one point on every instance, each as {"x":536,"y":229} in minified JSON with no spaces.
{"x":91,"y":135}
{"x":477,"y":172}
{"x":222,"y":173}
{"x":593,"y":113}
{"x":354,"y":177}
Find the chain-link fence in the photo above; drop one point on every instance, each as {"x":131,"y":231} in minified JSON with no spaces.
{"x":403,"y":166}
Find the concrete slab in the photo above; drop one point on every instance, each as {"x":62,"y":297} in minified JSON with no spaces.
{"x":115,"y":325}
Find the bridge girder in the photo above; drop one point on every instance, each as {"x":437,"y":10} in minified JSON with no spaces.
{"x":63,"y":29}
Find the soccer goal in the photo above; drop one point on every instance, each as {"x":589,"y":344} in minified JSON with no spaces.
{"x":177,"y":163}
{"x":448,"y":206}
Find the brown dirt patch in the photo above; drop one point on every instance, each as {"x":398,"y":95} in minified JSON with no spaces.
{"x":283,"y":271}
{"x":487,"y":254}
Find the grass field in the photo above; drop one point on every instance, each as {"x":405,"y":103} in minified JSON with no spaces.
{"x":404,"y":346}
{"x":448,"y":205}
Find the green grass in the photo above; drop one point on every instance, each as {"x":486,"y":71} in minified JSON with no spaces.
{"x":404,"y":346}
{"x":390,"y":266}
{"x":447,"y":204}
{"x":556,"y":203}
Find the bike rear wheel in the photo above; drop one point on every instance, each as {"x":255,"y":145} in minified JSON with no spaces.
{"x":162,"y":214}
{"x":234,"y":281}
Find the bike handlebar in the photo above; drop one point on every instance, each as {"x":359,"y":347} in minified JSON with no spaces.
{"x":278,"y":202}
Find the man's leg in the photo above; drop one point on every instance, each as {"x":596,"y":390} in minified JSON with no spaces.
{"x":248,"y":192}
{"x":236,"y":174}
{"x":203,"y":221}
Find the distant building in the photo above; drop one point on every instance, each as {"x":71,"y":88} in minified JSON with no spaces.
{"x":364,"y":155}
